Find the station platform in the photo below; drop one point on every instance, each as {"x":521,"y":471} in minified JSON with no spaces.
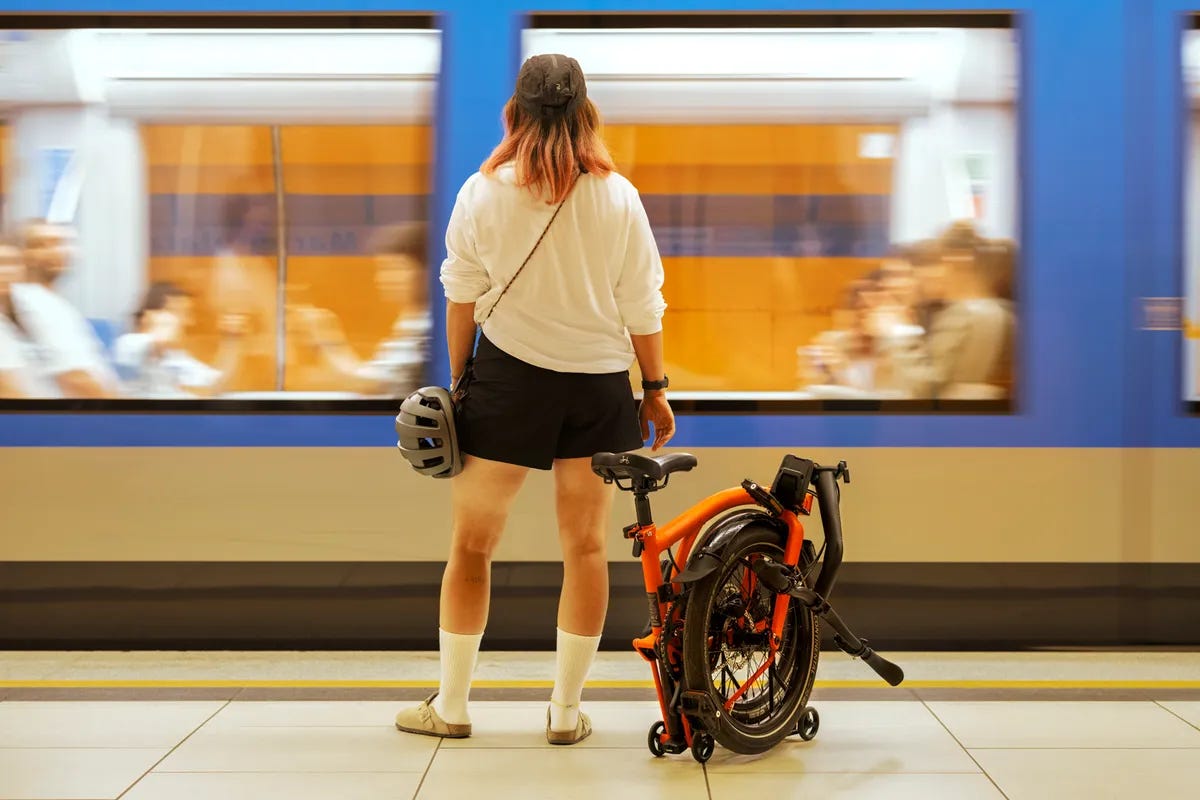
{"x":300,"y":725}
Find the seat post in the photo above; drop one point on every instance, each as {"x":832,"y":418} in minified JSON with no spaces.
{"x":641,"y":501}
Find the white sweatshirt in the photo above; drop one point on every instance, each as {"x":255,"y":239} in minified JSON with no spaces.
{"x":595,"y":278}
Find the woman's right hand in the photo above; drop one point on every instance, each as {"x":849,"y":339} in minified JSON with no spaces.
{"x":655,"y":409}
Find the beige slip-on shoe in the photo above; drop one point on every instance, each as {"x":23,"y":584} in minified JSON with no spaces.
{"x":425,"y":721}
{"x":583,"y":729}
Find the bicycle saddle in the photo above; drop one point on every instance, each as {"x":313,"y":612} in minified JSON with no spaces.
{"x":628,"y":465}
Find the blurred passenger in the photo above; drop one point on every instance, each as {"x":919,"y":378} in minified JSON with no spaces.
{"x":844,"y":356}
{"x":153,"y":355}
{"x":401,"y":276}
{"x":73,"y":355}
{"x":246,"y":285}
{"x":998,"y":261}
{"x":929,"y":275}
{"x":892,"y":303}
{"x":970,"y":339}
{"x":20,"y":370}
{"x":998,"y":264}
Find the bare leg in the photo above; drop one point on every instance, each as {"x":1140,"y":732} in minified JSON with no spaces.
{"x":483,"y":495}
{"x":584,"y":503}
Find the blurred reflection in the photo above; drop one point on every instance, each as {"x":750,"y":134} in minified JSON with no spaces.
{"x":397,"y":366}
{"x":71,"y":353}
{"x":244,"y":283}
{"x":310,"y":241}
{"x":21,"y":373}
{"x":936,"y":322}
{"x":153,"y":360}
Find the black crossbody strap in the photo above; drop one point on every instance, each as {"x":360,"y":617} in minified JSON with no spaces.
{"x":531,"y":252}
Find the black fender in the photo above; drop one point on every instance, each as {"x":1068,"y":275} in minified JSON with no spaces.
{"x":706,"y":554}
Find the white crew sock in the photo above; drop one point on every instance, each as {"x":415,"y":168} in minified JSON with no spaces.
{"x":458,"y":653}
{"x":574,"y":659}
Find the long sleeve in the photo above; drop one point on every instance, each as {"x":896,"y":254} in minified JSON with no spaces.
{"x":463,"y":275}
{"x":638,"y":290}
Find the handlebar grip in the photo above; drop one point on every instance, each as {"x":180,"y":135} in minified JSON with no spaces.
{"x":884,"y":668}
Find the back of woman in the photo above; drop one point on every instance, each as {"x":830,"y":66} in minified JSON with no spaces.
{"x":595,"y":276}
{"x":550,"y":253}
{"x":573,"y":283}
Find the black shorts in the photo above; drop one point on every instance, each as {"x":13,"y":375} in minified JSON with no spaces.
{"x":521,"y":414}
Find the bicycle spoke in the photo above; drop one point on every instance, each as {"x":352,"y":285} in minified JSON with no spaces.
{"x":726,"y":671}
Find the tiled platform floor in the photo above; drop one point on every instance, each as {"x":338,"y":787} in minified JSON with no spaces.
{"x":1135,"y":732}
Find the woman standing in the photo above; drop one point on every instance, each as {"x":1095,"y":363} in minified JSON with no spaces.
{"x":548,"y":227}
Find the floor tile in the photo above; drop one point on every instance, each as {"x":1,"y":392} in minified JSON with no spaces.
{"x":100,"y":724}
{"x":565,"y":772}
{"x":319,"y":713}
{"x":852,"y":787}
{"x":516,"y":724}
{"x":859,"y":737}
{"x":301,"y":749}
{"x":1065,"y":724}
{"x":1089,"y":774}
{"x":82,"y":774}
{"x":1189,"y":710}
{"x":269,"y":785}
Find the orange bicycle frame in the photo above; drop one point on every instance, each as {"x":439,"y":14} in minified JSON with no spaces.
{"x":683,"y":530}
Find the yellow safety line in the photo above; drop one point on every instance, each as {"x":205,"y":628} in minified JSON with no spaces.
{"x":598,"y":684}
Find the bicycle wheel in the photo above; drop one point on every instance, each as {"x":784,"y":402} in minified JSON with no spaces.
{"x":726,"y":640}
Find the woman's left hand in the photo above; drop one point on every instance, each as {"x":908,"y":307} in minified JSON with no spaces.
{"x":655,"y":409}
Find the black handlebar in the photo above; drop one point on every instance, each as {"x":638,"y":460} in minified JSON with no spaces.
{"x":828,"y":498}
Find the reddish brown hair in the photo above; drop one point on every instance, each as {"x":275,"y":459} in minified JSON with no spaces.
{"x":549,"y":152}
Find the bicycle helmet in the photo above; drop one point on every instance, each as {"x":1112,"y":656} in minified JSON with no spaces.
{"x":425,"y":426}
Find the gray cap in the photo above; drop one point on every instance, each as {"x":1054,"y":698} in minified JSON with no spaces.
{"x":550,"y":84}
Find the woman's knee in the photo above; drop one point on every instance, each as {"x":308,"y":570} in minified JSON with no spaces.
{"x":477,"y":538}
{"x":584,"y":544}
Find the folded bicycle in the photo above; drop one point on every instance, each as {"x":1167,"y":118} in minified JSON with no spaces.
{"x":733,"y":637}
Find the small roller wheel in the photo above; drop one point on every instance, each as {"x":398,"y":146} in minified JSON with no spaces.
{"x":654,"y":739}
{"x":808,"y":724}
{"x":703,"y":745}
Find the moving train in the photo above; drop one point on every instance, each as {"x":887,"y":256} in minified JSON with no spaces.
{"x":781,"y":159}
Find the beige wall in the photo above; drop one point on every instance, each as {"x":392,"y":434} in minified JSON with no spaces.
{"x":302,"y":504}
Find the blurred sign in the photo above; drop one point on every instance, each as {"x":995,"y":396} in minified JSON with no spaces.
{"x":1162,"y":313}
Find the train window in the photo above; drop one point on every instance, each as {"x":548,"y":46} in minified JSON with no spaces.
{"x":1191,"y":300}
{"x":217,"y":213}
{"x":835,"y":201}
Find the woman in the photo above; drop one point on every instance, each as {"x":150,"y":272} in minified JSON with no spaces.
{"x":20,"y":372}
{"x":551,"y":383}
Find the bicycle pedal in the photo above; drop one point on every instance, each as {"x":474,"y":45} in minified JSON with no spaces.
{"x":700,"y":706}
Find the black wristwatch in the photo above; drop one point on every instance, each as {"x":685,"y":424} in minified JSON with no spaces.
{"x":656,"y":385}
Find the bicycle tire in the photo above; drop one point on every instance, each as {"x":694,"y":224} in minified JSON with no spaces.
{"x":743,"y":729}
